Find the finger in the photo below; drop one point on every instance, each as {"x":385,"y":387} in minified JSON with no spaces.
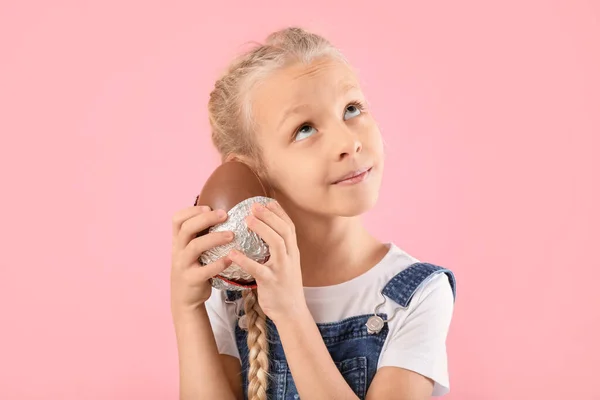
{"x":259,"y":271}
{"x":199,"y":245}
{"x":276,"y":208}
{"x":183,"y":215}
{"x":278,"y":224}
{"x":276,"y":243}
{"x":213,"y":269}
{"x":287,"y":230}
{"x":192,"y":226}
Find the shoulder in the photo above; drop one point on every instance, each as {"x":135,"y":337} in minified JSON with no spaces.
{"x":223,"y":318}
{"x":424,"y":293}
{"x":216,"y":300}
{"x":222,"y":306}
{"x":419,"y":281}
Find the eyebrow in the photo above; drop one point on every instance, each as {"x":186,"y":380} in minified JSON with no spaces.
{"x":343,"y":88}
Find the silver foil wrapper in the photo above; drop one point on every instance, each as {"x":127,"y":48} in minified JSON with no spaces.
{"x":245,"y":241}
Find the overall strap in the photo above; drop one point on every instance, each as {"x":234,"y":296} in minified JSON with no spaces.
{"x":402,"y":287}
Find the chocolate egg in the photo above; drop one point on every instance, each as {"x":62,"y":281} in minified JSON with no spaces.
{"x":234,"y":187}
{"x":230,"y":183}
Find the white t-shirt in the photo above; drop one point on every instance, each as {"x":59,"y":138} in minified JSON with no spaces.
{"x":417,"y":335}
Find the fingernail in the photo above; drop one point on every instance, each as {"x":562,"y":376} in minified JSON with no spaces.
{"x":229,"y":235}
{"x":258,"y":207}
{"x":221,"y":213}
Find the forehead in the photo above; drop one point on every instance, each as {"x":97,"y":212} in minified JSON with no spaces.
{"x":299,"y":84}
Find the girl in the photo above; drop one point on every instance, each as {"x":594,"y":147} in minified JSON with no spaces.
{"x":337,"y":314}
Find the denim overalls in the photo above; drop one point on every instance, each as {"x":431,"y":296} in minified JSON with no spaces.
{"x":353,"y":349}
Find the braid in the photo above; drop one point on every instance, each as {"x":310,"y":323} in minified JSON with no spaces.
{"x":258,"y":346}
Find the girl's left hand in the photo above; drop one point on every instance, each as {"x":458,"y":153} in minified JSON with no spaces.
{"x":279,"y":280}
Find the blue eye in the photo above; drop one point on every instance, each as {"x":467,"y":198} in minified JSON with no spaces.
{"x":352,"y":111}
{"x":304,"y":132}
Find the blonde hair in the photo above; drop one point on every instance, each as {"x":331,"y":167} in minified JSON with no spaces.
{"x":233,"y":132}
{"x":229,"y":106}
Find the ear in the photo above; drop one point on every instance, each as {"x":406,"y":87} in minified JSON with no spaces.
{"x":232,"y":157}
{"x":240,"y":158}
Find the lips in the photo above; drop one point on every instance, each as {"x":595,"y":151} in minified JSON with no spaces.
{"x":352,"y":174}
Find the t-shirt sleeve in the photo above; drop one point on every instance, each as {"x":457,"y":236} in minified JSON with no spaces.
{"x":419,"y":342}
{"x":222,"y":318}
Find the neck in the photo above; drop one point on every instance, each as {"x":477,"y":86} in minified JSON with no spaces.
{"x":334,"y":249}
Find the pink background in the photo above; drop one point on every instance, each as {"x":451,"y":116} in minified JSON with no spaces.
{"x":490,"y":112}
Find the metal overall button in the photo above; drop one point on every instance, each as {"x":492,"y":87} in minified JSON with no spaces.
{"x":242,"y":319}
{"x":375,"y":323}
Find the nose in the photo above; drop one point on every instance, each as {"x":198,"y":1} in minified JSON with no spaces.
{"x":347,"y":143}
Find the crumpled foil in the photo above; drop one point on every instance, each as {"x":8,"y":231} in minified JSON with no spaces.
{"x":245,"y":241}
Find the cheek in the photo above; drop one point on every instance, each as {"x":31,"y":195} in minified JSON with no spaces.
{"x":295,"y":178}
{"x":378,"y":143}
{"x":280,"y":172}
{"x":372,"y":135}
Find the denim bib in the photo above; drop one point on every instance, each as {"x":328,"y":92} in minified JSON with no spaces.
{"x":353,"y":349}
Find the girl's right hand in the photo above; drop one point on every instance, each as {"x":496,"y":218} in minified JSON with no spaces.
{"x":190,"y":286}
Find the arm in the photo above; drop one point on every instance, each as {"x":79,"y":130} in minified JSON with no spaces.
{"x":414,"y":365}
{"x":201,"y":369}
{"x":399,"y":384}
{"x":202,"y":373}
{"x":314,"y":372}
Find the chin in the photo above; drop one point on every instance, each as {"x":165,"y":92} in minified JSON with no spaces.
{"x":356,"y":206}
{"x":352,"y":201}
